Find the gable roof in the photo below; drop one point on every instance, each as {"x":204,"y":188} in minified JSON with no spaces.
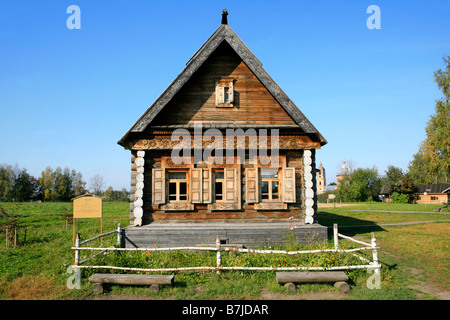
{"x":433,"y":188}
{"x":223,"y":33}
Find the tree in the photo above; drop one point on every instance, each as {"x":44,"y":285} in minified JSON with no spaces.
{"x":97,"y":184}
{"x":78,"y":185}
{"x":124,"y":195}
{"x":6,"y":182}
{"x":436,"y":147}
{"x":25,"y":187}
{"x":360,"y":185}
{"x":47,"y":184}
{"x":418,"y":170}
{"x":110,"y":194}
{"x":115,"y":195}
{"x":17,"y":184}
{"x":61,"y":185}
{"x":393,"y":178}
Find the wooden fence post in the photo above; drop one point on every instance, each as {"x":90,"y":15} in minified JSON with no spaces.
{"x":77,"y":252}
{"x":219,"y":262}
{"x":119,"y":236}
{"x":335,"y":234}
{"x":375,"y":253}
{"x":15,"y":237}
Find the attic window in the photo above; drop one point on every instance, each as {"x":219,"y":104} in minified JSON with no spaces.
{"x":224,"y":93}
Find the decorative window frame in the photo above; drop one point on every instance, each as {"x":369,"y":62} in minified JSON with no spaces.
{"x":224,"y":92}
{"x":178,"y":182}
{"x":200,"y":187}
{"x":286,"y":186}
{"x":269,"y":181}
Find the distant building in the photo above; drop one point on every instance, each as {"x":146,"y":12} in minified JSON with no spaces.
{"x":321,"y":179}
{"x":385,"y":194}
{"x":342,"y":174}
{"x":433,"y":194}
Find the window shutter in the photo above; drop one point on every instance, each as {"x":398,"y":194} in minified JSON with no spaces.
{"x":207,"y":185}
{"x":196,"y":185}
{"x":158,"y":186}
{"x":230,"y":93}
{"x":220,"y":95}
{"x":251,"y":185}
{"x":289,"y":185}
{"x":230,"y":186}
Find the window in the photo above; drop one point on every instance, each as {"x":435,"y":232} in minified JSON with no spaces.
{"x":227,"y":95}
{"x":270,"y":180}
{"x":224,"y":92}
{"x":434,"y":198}
{"x":178,"y":186}
{"x":218,"y":185}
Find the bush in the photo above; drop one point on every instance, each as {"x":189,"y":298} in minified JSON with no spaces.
{"x":399,"y":198}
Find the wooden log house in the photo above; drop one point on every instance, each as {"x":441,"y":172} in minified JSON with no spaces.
{"x":222,"y":101}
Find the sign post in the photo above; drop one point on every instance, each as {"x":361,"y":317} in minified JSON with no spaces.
{"x":332,"y":197}
{"x":87,"y":206}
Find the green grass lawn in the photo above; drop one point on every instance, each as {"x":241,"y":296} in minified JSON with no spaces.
{"x":46,"y":254}
{"x":359,"y":214}
{"x":37,"y":269}
{"x":423,"y":248}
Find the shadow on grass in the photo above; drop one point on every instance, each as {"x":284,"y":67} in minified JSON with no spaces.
{"x":347,"y":225}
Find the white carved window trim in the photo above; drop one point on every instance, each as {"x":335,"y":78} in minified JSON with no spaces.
{"x":224,"y":92}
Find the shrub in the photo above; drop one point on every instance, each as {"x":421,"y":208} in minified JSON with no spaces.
{"x":399,"y":197}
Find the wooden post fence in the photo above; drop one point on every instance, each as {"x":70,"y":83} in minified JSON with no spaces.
{"x":218,"y":248}
{"x":218,"y":257}
{"x":119,"y":235}
{"x":335,"y":236}
{"x":375,"y":253}
{"x":77,"y":252}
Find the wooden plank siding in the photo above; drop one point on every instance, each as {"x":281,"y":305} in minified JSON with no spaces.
{"x":196,"y":100}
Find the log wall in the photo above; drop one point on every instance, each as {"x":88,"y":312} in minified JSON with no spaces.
{"x":205,"y":212}
{"x":250,"y":235}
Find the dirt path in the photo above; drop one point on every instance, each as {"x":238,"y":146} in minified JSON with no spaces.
{"x":427,"y":288}
{"x":267,"y":295}
{"x":337,"y":205}
{"x":386,"y":211}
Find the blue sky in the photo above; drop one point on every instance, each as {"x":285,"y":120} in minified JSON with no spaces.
{"x":67,"y":96}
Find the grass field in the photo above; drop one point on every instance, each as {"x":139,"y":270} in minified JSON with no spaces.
{"x":415,"y":258}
